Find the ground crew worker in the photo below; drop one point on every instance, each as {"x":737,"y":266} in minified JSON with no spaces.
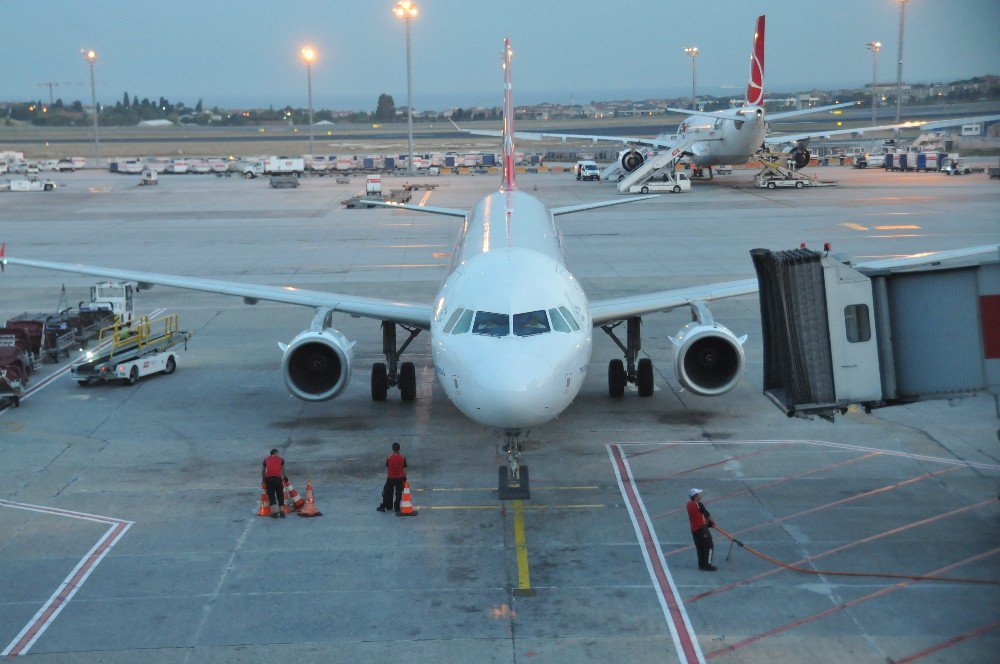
{"x":701,"y":521}
{"x":273,"y":474}
{"x":395,"y":478}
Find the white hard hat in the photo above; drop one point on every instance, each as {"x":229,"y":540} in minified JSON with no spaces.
{"x":693,"y":492}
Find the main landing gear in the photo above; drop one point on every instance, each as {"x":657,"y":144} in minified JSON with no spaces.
{"x":403,"y":376}
{"x":632,"y":370}
{"x":513,"y":484}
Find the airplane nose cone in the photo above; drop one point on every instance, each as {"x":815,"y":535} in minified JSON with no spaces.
{"x":518,"y":390}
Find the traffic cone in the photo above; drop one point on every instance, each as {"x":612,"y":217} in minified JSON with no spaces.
{"x":292,"y":497}
{"x":265,"y":506}
{"x":406,"y":504}
{"x":286,"y":503}
{"x":309,"y":509}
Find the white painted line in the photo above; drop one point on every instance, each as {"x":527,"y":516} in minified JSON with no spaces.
{"x":685,"y":640}
{"x":73,"y":581}
{"x":823,"y":443}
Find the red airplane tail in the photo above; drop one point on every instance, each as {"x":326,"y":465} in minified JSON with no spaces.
{"x":509,"y":181}
{"x":755,"y":84}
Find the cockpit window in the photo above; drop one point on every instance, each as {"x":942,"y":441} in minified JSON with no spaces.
{"x":569,"y":319}
{"x":464,"y":323}
{"x":558,"y":322}
{"x":491,"y":325}
{"x":454,"y":319}
{"x":531,"y":322}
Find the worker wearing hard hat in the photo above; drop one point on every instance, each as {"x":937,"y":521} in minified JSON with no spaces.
{"x":701,"y":521}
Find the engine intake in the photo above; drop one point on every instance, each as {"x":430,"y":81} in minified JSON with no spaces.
{"x":708,"y":358}
{"x":800,"y":156}
{"x":317,"y":364}
{"x":631,"y":160}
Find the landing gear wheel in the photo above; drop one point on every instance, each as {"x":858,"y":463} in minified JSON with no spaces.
{"x":644,"y":190}
{"x":676,"y":189}
{"x":644,"y":380}
{"x":770,"y":185}
{"x":798,"y":185}
{"x":171,"y":366}
{"x":380,"y":382}
{"x":408,"y":381}
{"x":616,"y":378}
{"x":133,"y":376}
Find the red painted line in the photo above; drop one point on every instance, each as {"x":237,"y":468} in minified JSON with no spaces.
{"x":842,"y":547}
{"x":670,"y":601}
{"x":846,"y":605}
{"x":713,"y":464}
{"x":775,"y":482}
{"x":842,"y":501}
{"x":965,"y":636}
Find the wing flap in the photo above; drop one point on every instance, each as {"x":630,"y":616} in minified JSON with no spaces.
{"x":570,"y":209}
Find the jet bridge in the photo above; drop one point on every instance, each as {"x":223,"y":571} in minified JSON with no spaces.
{"x":878,"y":335}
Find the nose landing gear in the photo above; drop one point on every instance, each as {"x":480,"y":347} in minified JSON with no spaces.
{"x":513,"y":478}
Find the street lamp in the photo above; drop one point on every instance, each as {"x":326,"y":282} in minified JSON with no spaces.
{"x":308,"y":54}
{"x":874,"y":46}
{"x":899,"y":63}
{"x":89,"y":55}
{"x":693,"y":52}
{"x":407,"y":10}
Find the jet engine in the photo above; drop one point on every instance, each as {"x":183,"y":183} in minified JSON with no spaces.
{"x":708,"y":358}
{"x":631,"y":160}
{"x":317,"y":364}
{"x":800,"y":156}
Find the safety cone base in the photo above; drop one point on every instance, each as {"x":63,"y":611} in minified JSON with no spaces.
{"x":406,"y":503}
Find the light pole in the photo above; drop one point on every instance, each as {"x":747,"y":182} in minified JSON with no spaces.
{"x":407,"y":10}
{"x":874,"y":46}
{"x":693,"y":52}
{"x":308,"y":54}
{"x":899,"y":63}
{"x":90,"y":56}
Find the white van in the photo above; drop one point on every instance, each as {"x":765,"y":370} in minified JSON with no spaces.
{"x":674,"y":184}
{"x":587,"y":170}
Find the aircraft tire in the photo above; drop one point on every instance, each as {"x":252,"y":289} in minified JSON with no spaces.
{"x":380,"y":382}
{"x":645,"y":377}
{"x":616,"y":378}
{"x":408,"y":381}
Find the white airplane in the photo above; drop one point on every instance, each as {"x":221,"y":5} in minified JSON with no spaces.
{"x":735,"y":136}
{"x":511,"y":328}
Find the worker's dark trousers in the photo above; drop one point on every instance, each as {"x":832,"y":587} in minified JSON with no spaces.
{"x":275,"y":490}
{"x":392,"y":485}
{"x":703,"y":543}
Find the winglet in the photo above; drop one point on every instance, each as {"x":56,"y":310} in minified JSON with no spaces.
{"x":509,"y":181}
{"x":3,"y":257}
{"x":755,"y":84}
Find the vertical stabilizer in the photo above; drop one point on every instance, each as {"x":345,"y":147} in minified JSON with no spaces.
{"x":755,"y":84}
{"x":509,"y":181}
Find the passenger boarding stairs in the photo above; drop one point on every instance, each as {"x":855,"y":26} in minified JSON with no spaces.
{"x":661,"y":160}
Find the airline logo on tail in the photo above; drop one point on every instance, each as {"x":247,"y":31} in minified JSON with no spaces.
{"x":508,"y":183}
{"x":755,"y":84}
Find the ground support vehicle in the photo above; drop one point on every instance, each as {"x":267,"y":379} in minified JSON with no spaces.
{"x":33,"y":328}
{"x":284,"y":181}
{"x":395,"y":196}
{"x":129,"y":353}
{"x":112,"y":298}
{"x":149,"y":177}
{"x":284,"y":166}
{"x":32,"y":184}
{"x":672,"y":182}
{"x":13,"y":374}
{"x":773,"y":175}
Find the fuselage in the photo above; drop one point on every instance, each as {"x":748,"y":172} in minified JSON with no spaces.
{"x":740,"y":139}
{"x":511,"y":333}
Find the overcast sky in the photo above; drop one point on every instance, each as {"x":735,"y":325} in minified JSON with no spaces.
{"x":246,"y":53}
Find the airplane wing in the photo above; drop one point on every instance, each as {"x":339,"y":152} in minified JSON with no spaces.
{"x":556,"y":211}
{"x":418,"y":315}
{"x":777,"y":139}
{"x":807,"y":111}
{"x":658,"y":142}
{"x":570,"y":209}
{"x":430,"y":209}
{"x":619,"y":308}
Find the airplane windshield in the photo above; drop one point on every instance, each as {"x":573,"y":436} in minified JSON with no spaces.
{"x":491,"y":325}
{"x":464,"y":323}
{"x":531,"y":322}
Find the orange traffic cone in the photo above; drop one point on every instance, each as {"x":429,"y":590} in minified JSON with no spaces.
{"x":309,"y":509}
{"x":265,"y":506}
{"x":292,"y":497}
{"x":406,"y":504}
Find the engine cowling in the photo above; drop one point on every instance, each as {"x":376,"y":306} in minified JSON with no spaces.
{"x":708,"y":358}
{"x":631,"y":160}
{"x":317,"y":364}
{"x":800,"y":156}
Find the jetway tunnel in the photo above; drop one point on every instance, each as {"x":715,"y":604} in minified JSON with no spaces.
{"x":877,"y":335}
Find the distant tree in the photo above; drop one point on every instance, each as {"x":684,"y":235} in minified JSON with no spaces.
{"x":198,"y":107}
{"x":77,"y":106}
{"x":386,"y":108}
{"x":125,"y":101}
{"x":135,"y":101}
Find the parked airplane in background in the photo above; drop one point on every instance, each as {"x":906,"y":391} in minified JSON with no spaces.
{"x":734,"y":136}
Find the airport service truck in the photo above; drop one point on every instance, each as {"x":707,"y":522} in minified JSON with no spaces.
{"x":284,"y":165}
{"x":114,"y":297}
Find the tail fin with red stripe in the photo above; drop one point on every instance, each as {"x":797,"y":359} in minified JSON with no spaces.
{"x":509,"y":181}
{"x":755,"y":84}
{"x":3,"y":260}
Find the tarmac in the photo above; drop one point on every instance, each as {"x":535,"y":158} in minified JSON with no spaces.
{"x":127,"y":514}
